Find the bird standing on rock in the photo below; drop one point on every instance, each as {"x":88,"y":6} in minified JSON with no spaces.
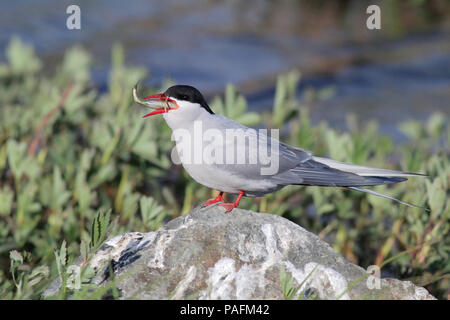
{"x":227,"y":156}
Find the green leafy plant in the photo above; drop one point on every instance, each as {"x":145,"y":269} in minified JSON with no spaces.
{"x":290,"y":291}
{"x":79,"y":165}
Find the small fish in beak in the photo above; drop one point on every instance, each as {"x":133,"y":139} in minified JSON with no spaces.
{"x":159,"y":102}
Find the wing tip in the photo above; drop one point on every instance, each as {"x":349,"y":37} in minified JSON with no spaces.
{"x":398,"y":174}
{"x":422,"y":175}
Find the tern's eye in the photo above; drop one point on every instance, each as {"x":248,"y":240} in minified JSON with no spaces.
{"x":184,"y":97}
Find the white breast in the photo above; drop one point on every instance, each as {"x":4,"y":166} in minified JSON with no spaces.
{"x":227,"y":178}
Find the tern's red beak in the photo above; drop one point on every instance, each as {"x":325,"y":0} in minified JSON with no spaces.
{"x":159,"y":102}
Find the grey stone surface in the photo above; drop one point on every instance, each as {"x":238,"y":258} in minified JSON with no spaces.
{"x":209,"y":254}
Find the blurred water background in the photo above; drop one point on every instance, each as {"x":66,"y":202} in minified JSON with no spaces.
{"x":399,"y":72}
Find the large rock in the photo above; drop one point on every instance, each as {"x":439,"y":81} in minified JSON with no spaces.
{"x":209,"y":254}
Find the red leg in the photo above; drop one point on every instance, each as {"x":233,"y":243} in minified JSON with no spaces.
{"x":215,"y":200}
{"x":230,"y":206}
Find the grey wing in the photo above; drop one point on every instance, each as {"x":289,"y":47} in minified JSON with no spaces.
{"x":314,"y":173}
{"x":295,"y":165}
{"x":286,"y":156}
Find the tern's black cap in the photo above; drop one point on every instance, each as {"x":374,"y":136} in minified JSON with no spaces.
{"x":188,"y":93}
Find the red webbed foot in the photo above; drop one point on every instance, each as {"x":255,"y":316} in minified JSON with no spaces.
{"x":229,"y":206}
{"x":212,"y":201}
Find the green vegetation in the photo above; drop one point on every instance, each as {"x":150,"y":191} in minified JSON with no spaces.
{"x":290,"y":291}
{"x":78,"y":166}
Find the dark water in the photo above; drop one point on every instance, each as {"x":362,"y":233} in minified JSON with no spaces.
{"x":393,"y":74}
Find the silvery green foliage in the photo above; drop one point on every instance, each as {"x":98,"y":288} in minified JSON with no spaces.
{"x":94,"y":153}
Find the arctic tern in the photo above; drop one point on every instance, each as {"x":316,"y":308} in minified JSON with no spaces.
{"x":185,"y":110}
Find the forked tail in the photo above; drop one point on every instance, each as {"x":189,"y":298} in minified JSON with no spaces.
{"x":387,"y":197}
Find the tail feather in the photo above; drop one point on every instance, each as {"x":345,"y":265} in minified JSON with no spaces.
{"x":387,"y":197}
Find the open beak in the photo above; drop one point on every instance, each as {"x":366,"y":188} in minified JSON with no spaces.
{"x":159,"y":102}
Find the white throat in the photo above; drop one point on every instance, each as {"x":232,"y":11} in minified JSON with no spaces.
{"x":185,"y":115}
